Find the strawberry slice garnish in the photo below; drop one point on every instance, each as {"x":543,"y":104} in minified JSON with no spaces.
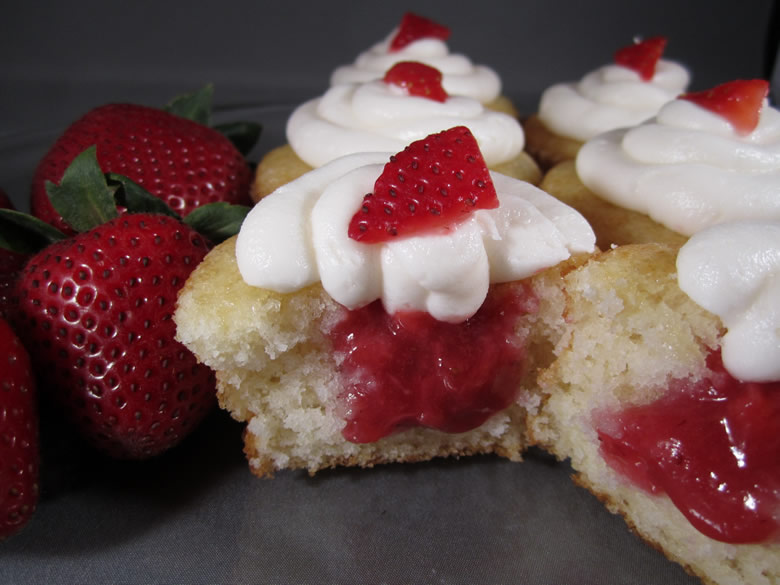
{"x":642,"y":56}
{"x":414,"y":27}
{"x":417,"y":79}
{"x":433,"y":183}
{"x":739,"y":102}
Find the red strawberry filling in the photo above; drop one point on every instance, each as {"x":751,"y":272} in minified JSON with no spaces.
{"x":642,"y":56}
{"x":712,"y":446}
{"x":408,"y":369}
{"x":414,"y":27}
{"x":739,"y":102}
{"x":417,"y":79}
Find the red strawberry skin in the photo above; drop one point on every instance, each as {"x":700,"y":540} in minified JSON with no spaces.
{"x":431,"y":184}
{"x":95,"y":311}
{"x":19,"y":454}
{"x":10,"y":265}
{"x":418,"y":79}
{"x":180,"y":161}
{"x":414,"y":27}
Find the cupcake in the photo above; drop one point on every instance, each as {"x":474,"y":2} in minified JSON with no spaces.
{"x":353,"y":343}
{"x":408,"y":103}
{"x":624,"y":93}
{"x":707,"y":158}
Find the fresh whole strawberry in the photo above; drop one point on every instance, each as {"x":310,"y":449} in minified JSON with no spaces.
{"x":417,"y":79}
{"x":95,"y":311}
{"x":414,"y":27}
{"x":183,"y":162}
{"x":642,"y":56}
{"x":19,"y":455}
{"x":739,"y":102}
{"x":431,"y":184}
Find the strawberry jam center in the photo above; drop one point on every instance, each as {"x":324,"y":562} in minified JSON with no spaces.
{"x":408,"y":369}
{"x":712,"y":446}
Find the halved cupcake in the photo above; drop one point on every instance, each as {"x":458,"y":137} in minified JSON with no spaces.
{"x":354,"y":329}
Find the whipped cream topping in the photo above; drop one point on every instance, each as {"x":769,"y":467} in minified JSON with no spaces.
{"x":297,"y":236}
{"x":378,"y":116}
{"x":612,"y":96}
{"x":733,"y":271}
{"x":688,"y":168}
{"x":459,"y":75}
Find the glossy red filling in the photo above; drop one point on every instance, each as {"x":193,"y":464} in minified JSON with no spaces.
{"x":408,"y":369}
{"x":713,"y":447}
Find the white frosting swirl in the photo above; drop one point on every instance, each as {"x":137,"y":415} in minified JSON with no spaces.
{"x":688,"y":168}
{"x":612,"y":96}
{"x":446,"y":274}
{"x":459,"y":75}
{"x":733,"y":270}
{"x":378,"y":116}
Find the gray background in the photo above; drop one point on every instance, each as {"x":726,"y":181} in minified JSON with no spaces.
{"x":196,"y":515}
{"x":57,"y":59}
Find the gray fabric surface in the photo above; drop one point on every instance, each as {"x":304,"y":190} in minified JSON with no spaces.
{"x":198,"y":516}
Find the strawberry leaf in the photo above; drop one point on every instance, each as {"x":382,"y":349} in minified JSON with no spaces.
{"x":83,"y":198}
{"x":195,"y":106}
{"x":136,"y":199}
{"x":243,"y":135}
{"x":217,"y":221}
{"x":23,"y":233}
